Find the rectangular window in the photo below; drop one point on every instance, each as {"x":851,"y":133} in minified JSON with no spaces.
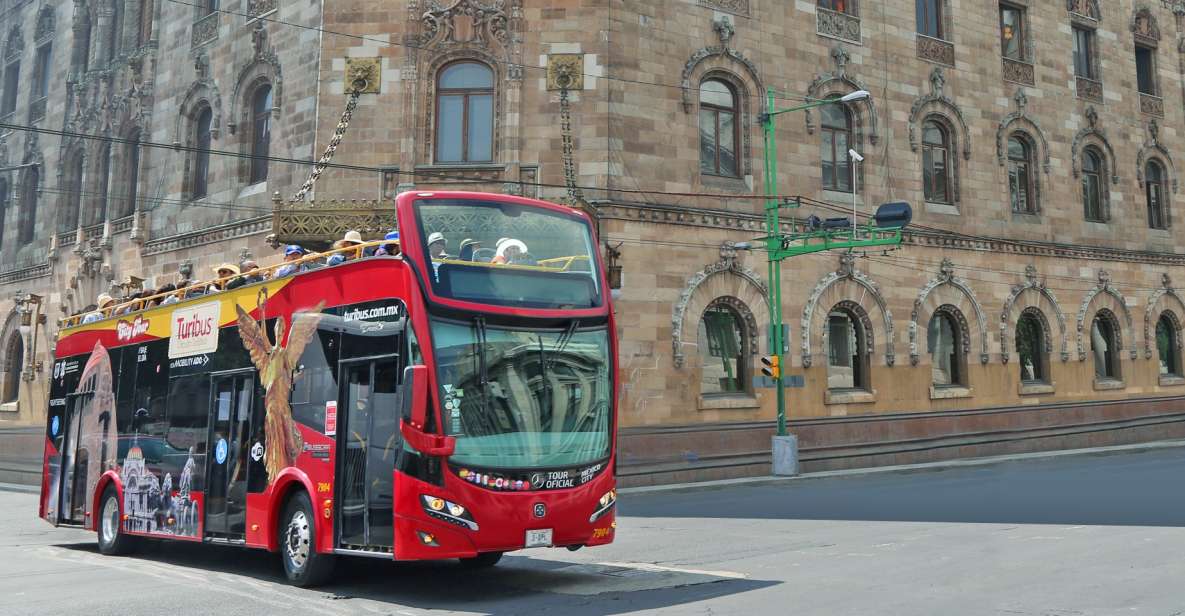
{"x":929,"y":14}
{"x":12,"y":79}
{"x":1012,"y":34}
{"x":1146,"y":70}
{"x":839,"y":6}
{"x":44,"y":68}
{"x":1084,"y":53}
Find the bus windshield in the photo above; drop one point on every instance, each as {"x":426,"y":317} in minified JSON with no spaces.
{"x":547,"y":394}
{"x":508,"y":254}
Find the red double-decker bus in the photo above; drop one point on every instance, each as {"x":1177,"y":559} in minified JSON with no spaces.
{"x":453,"y":401}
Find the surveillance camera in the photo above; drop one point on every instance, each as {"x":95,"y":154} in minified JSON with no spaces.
{"x":855,"y":156}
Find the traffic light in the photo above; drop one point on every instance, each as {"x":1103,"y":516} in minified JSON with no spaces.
{"x":770,"y":367}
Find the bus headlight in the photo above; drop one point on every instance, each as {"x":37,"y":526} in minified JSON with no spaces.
{"x":447,"y":511}
{"x":604,"y":505}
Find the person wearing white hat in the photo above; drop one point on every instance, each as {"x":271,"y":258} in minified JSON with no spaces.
{"x":509,"y":250}
{"x":224,"y":280}
{"x":104,"y":301}
{"x":436,"y":245}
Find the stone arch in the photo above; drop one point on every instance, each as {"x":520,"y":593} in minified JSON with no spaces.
{"x":1113,"y":301}
{"x":12,"y":344}
{"x":72,"y":173}
{"x":264,"y":66}
{"x":750,"y":335}
{"x":731,"y":65}
{"x":854,"y":308}
{"x":203,"y":90}
{"x":1153,"y":149}
{"x":838,"y":83}
{"x":1020,"y":121}
{"x":1093,"y":135}
{"x":432,"y":76}
{"x":1164,"y":299}
{"x":1032,"y":293}
{"x":845,"y":284}
{"x":727,"y":277}
{"x":948,"y":290}
{"x":937,"y":104}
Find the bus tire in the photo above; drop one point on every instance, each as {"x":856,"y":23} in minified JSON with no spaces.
{"x":112,"y":540}
{"x":485,"y":560}
{"x":303,"y":566}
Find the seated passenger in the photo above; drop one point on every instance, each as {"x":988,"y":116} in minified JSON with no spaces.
{"x":104,"y":301}
{"x":225,"y":275}
{"x":468,"y":247}
{"x":250,"y":274}
{"x":510,"y":251}
{"x":436,"y":245}
{"x":338,"y":258}
{"x":389,"y":250}
{"x":172,"y":298}
{"x":291,"y":253}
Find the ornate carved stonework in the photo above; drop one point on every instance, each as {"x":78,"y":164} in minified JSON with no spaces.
{"x":838,"y":25}
{"x":724,"y":265}
{"x":937,"y":99}
{"x":1018,"y":72}
{"x":1093,"y":133}
{"x":45,"y":24}
{"x":1022,"y":118}
{"x":15,"y":43}
{"x":565,"y":71}
{"x":465,"y":22}
{"x":936,"y":50}
{"x":1153,"y":148}
{"x":1104,"y":287}
{"x":736,"y":7}
{"x":1089,"y":89}
{"x":847,"y":271}
{"x":1151,"y":316}
{"x":205,"y":29}
{"x":1144,"y":27}
{"x":840,"y":80}
{"x":1084,"y":8}
{"x":366,"y":70}
{"x":946,"y":277}
{"x":1032,"y":281}
{"x":1151,"y":105}
{"x":259,"y":8}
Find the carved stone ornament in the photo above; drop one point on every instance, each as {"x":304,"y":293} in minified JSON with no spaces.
{"x":946,"y":277}
{"x":14,"y":44}
{"x":1021,"y":119}
{"x":937,"y":100}
{"x":935,"y":50}
{"x":839,"y":80}
{"x":367,"y":71}
{"x":259,"y":8}
{"x":1035,"y":283}
{"x":1154,"y":149}
{"x":837,"y":24}
{"x":736,"y":7}
{"x":205,"y":29}
{"x":847,"y":271}
{"x":1104,"y":288}
{"x":1144,"y":26}
{"x":465,"y":22}
{"x":1084,"y":8}
{"x":45,"y":24}
{"x":565,"y":71}
{"x":1092,"y":133}
{"x":1020,"y":72}
{"x":724,"y":31}
{"x":724,"y":265}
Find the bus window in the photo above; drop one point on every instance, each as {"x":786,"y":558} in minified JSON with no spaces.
{"x":315,"y":382}
{"x":188,"y":419}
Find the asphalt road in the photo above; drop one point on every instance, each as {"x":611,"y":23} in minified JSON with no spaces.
{"x":1089,"y":534}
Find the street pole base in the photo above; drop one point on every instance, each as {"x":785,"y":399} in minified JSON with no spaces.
{"x":785,"y":455}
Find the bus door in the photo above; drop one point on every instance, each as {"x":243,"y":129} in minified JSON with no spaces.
{"x":230,"y":437}
{"x":368,"y":442}
{"x":72,"y":491}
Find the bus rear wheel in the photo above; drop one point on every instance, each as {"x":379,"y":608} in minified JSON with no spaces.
{"x":484,"y":560}
{"x":303,"y":566}
{"x":112,"y":540}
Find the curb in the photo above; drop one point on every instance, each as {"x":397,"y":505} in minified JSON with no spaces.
{"x":17,"y":487}
{"x":904,"y":468}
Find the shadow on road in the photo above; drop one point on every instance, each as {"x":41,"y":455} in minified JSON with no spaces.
{"x":1128,"y":489}
{"x":518,"y":585}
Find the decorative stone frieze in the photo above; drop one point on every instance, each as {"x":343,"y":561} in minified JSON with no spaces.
{"x":736,"y":7}
{"x":205,"y":29}
{"x":838,"y":25}
{"x":465,"y":22}
{"x":1089,"y":89}
{"x":1151,"y":105}
{"x":220,"y":233}
{"x":936,"y":50}
{"x":1017,"y":71}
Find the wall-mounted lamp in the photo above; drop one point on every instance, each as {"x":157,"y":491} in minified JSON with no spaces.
{"x":613,"y":265}
{"x":29,"y":306}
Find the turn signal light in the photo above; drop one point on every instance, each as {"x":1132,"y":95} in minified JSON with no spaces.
{"x":328,"y":505}
{"x":427,"y":538}
{"x":436,"y":504}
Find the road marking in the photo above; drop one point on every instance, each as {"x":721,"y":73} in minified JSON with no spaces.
{"x":665,"y":569}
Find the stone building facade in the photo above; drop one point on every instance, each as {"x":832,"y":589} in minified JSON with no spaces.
{"x":1034,"y":301}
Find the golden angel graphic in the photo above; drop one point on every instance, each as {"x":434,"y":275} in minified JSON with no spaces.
{"x":276,"y":364}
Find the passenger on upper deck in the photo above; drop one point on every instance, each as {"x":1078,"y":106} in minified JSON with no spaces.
{"x":352,"y":238}
{"x":224,"y":280}
{"x":467,"y":248}
{"x":511,"y":251}
{"x":389,"y":250}
{"x":250,"y":275}
{"x":291,"y":253}
{"x":104,"y":301}
{"x":436,"y":245}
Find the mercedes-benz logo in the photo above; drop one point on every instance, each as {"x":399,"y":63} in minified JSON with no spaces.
{"x":537,"y":480}
{"x":540,"y":510}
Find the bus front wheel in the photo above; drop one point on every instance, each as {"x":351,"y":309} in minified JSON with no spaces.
{"x":112,"y":540}
{"x":302,"y":564}
{"x":482,"y":561}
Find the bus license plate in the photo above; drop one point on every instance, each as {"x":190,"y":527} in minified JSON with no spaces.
{"x":539,"y":538}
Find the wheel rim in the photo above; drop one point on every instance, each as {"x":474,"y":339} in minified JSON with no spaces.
{"x":110,"y":520}
{"x":296,"y":541}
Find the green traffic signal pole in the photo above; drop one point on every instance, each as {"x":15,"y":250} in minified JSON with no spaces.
{"x":779,"y":246}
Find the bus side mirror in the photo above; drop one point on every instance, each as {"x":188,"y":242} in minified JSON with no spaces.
{"x":415,"y":395}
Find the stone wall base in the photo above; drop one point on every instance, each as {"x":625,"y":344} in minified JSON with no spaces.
{"x":664,"y":455}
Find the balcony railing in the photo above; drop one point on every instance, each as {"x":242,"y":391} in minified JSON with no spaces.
{"x":1018,"y":71}
{"x":1090,"y":89}
{"x":1151,"y":104}
{"x":838,"y":25}
{"x":205,"y":29}
{"x":936,"y":50}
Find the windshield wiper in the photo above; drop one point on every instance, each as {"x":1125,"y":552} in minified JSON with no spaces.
{"x":483,"y":381}
{"x":544,"y":383}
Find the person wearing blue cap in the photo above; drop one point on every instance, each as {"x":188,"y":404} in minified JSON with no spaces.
{"x":291,"y":253}
{"x":389,"y":250}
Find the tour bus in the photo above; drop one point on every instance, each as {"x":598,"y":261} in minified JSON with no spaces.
{"x":435,"y":404}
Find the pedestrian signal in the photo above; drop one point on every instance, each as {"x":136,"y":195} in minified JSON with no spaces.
{"x":770,"y":367}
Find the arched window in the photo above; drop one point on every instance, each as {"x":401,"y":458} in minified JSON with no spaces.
{"x":1166,"y":345}
{"x":29,"y":192}
{"x":14,"y":359}
{"x":1030,"y":349}
{"x":722,"y":334}
{"x":936,"y":162}
{"x":847,"y":353}
{"x":1154,"y":193}
{"x":1092,"y":185}
{"x":717,"y":128}
{"x":1104,"y":343}
{"x":97,"y":213}
{"x":12,"y":78}
{"x":836,"y":129}
{"x":465,"y":113}
{"x":73,"y":186}
{"x":131,"y":175}
{"x":1020,"y":175}
{"x":261,"y":132}
{"x":944,"y":343}
{"x":202,"y":140}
